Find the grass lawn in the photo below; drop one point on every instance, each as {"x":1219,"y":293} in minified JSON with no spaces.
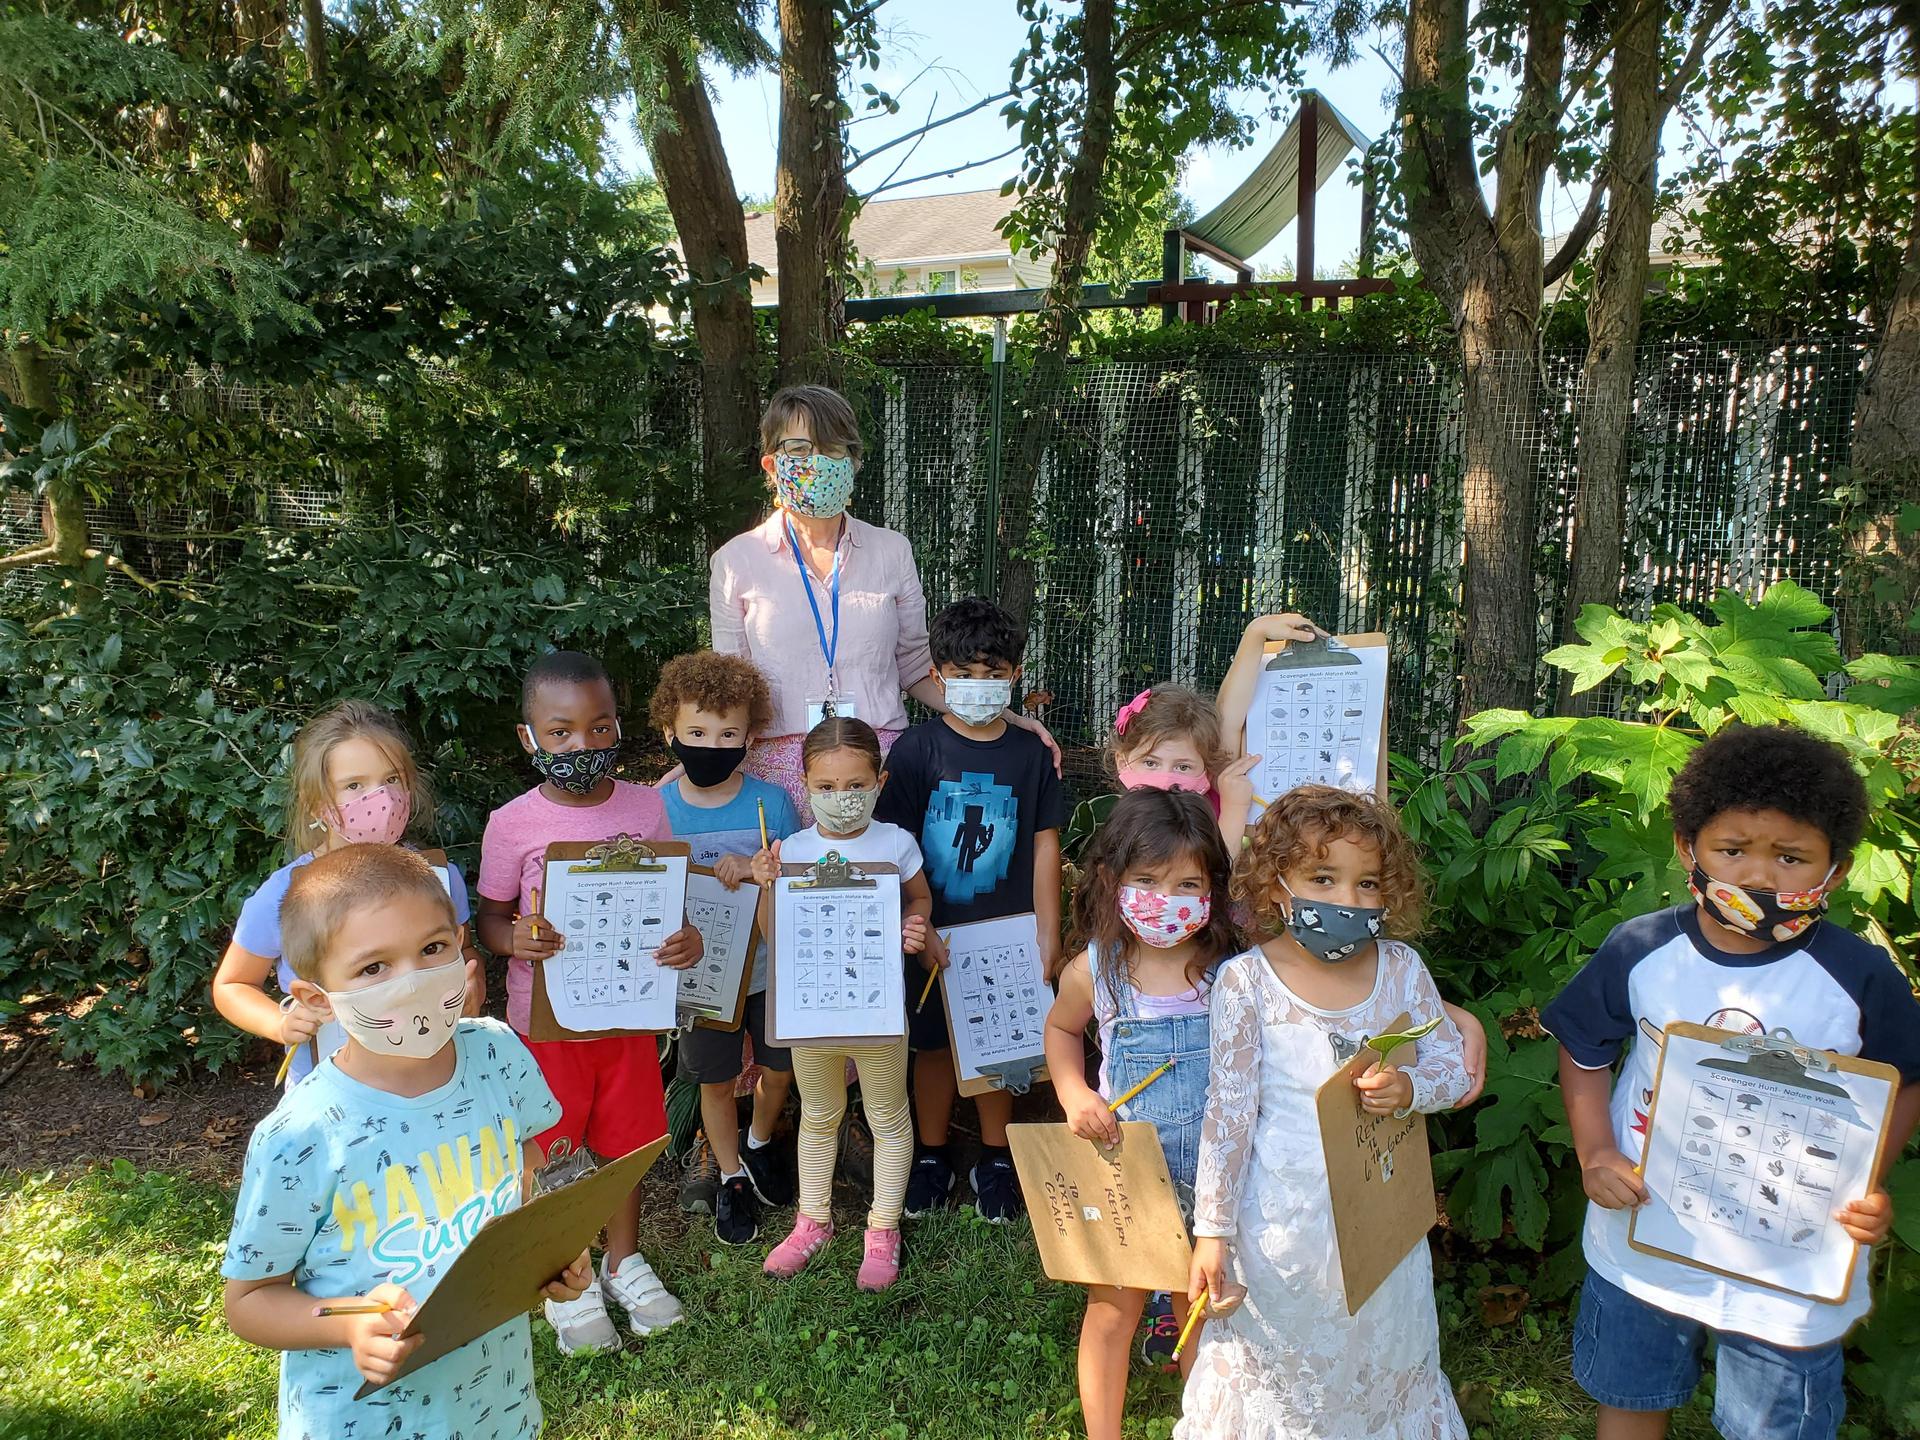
{"x":110,"y":1326}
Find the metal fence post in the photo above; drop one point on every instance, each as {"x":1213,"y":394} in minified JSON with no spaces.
{"x":990,"y":519}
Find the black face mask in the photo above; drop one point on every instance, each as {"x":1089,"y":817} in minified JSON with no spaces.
{"x":708,"y":765}
{"x":578,"y":772}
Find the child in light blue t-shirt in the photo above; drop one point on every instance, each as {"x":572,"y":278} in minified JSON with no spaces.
{"x":368,"y":1180}
{"x":708,"y":707}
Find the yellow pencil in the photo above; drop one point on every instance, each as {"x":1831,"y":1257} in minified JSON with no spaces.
{"x":536,"y":912}
{"x":1193,"y":1323}
{"x":358,"y":1307}
{"x":286,"y":1064}
{"x":1152,"y":1075}
{"x":764,"y":844}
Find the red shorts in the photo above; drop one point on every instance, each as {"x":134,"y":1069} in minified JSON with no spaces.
{"x":611,"y":1100}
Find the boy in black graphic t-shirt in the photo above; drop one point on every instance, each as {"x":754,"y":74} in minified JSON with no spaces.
{"x":983,"y":799}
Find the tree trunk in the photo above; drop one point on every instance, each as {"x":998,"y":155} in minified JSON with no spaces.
{"x":1488,"y":269}
{"x":313,"y":40}
{"x":1605,"y":404}
{"x":1886,"y":452}
{"x":810,"y":196}
{"x":63,"y":512}
{"x":691,"y":164}
{"x":1040,"y":416}
{"x":262,"y":25}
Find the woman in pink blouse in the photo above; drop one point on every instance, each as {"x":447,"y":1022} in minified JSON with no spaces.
{"x":827,"y":606}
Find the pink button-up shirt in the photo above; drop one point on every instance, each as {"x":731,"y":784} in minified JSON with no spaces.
{"x":758,"y":603}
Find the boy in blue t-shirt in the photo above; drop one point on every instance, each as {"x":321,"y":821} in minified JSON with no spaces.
{"x":983,"y":799}
{"x":709,"y":707}
{"x":1765,"y":819}
{"x":370,"y":1177}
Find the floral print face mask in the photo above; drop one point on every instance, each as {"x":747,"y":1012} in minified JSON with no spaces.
{"x":1163,"y":921}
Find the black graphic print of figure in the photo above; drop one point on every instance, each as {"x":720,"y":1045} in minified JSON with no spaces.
{"x":972,"y":839}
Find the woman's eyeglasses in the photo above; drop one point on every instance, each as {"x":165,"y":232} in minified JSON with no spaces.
{"x":799,"y":447}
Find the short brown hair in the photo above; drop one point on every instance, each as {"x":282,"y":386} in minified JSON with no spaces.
{"x":322,"y":894}
{"x":1300,"y":825}
{"x":1171,"y":712}
{"x":829,"y":417}
{"x":841,"y":732}
{"x":712,"y":682}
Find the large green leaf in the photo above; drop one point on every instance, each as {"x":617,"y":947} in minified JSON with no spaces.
{"x":1886,"y":682}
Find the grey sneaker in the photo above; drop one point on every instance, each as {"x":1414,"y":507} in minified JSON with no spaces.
{"x":582,"y":1326}
{"x":638,"y":1291}
{"x":702,"y":1181}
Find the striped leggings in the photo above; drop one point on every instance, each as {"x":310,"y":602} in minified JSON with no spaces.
{"x":821,"y":1074}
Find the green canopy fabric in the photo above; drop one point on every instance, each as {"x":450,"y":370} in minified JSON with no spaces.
{"x":1268,"y":199}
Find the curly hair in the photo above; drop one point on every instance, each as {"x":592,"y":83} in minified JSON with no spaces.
{"x":1298,"y":827}
{"x":1151,"y":828}
{"x":1771,"y":767}
{"x":1171,"y":712}
{"x":714,"y":683}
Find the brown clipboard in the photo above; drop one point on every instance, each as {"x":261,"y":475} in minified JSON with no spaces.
{"x":982,"y":1084}
{"x":1103,"y":1216}
{"x":510,"y":1259}
{"x":823,"y":876}
{"x":754,"y":936}
{"x":1778,"y":1061}
{"x":1367,"y":639}
{"x":541,"y":1021}
{"x":1379,"y":1179}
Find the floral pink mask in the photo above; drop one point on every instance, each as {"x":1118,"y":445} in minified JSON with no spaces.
{"x":1132,"y":777}
{"x":1163,"y":921}
{"x":378,"y":817}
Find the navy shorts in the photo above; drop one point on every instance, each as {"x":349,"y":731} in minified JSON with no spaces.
{"x":713,"y":1057}
{"x":927,"y":1024}
{"x":1635,"y":1356}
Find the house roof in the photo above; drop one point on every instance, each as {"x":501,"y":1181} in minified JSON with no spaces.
{"x":918,"y":229}
{"x":1267,"y":200}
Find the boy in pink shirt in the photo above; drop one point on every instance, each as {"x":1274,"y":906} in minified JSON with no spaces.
{"x":609,"y":1090}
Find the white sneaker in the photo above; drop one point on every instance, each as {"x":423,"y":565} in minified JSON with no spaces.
{"x":582,"y":1326}
{"x":639,"y":1292}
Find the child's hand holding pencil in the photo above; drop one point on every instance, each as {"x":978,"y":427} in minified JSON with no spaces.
{"x":372,"y":1330}
{"x":533,"y":937}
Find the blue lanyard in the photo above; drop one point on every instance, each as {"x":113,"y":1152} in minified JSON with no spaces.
{"x":828,"y":648}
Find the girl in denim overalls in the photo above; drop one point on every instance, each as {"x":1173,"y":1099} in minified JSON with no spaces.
{"x":1152,"y":911}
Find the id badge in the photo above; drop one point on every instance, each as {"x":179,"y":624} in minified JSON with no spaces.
{"x":827,"y":707}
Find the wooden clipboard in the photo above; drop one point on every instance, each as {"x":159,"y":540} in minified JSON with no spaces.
{"x":827,"y":876}
{"x":1100,"y":1216}
{"x":1304,"y":652}
{"x":983,"y":1084}
{"x":1379,"y":1179}
{"x":615,"y":853}
{"x":754,"y":937}
{"x":1760,"y":1069}
{"x":511,"y":1258}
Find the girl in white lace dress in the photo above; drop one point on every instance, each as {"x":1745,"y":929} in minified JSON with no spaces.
{"x":1325,"y":874}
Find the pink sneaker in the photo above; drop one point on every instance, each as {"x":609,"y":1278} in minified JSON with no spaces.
{"x":808,"y":1238}
{"x":881,"y":1266}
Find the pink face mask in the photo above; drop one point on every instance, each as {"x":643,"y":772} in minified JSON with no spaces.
{"x":378,"y":817}
{"x":1132,"y":777}
{"x":1163,"y":921}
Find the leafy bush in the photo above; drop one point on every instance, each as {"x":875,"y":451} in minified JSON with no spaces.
{"x":142,"y":749}
{"x":1576,"y":839}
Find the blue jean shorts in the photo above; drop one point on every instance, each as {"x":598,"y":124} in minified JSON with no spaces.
{"x":1634,"y":1356}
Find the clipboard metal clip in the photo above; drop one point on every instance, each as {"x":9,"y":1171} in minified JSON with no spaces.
{"x":833,"y":871}
{"x":1780,"y":1042}
{"x":565,"y":1165}
{"x":623,"y":854}
{"x":1321,"y":651}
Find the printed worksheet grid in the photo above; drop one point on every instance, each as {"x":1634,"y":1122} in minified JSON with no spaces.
{"x":1758,"y":1162}
{"x":1000,"y":1002}
{"x":611,"y":936}
{"x":839,"y":953}
{"x":1314,"y":731}
{"x":715,"y":924}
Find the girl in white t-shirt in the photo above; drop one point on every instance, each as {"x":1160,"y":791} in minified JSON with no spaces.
{"x":842,"y":761}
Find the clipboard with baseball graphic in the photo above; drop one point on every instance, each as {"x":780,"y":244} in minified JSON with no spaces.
{"x":1752,"y":1141}
{"x":613,"y":904}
